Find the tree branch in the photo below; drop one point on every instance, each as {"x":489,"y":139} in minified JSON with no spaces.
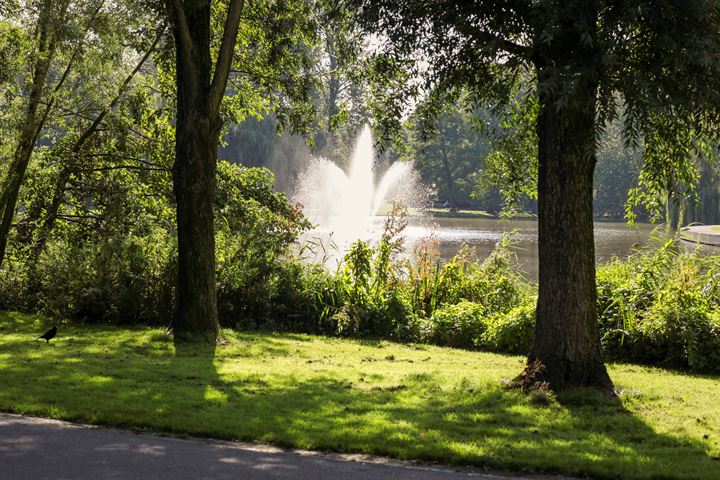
{"x":504,"y":44}
{"x":127,"y":167}
{"x":224,"y":59}
{"x":96,"y":123}
{"x":177,"y":16}
{"x":66,"y":73}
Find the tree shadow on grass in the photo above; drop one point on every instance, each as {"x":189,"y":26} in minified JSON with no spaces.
{"x":145,"y":383}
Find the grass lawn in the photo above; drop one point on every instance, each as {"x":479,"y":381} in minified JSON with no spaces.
{"x":405,"y":401}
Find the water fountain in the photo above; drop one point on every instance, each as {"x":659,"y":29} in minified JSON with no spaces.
{"x":344,"y":206}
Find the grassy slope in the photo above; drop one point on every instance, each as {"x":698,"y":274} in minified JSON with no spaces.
{"x":413,"y":402}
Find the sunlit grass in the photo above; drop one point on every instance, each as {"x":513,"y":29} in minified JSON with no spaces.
{"x":411,"y":402}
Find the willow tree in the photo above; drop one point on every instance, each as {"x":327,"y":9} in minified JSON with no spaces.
{"x":586,"y":57}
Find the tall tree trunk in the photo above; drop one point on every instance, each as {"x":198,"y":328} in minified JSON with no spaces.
{"x":197,"y":131}
{"x":566,"y":350}
{"x":194,"y":187}
{"x":567,"y":336}
{"x":194,"y":181}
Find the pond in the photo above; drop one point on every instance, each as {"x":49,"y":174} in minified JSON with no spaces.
{"x":483,"y":234}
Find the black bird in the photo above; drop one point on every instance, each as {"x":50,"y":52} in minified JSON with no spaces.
{"x":50,"y":334}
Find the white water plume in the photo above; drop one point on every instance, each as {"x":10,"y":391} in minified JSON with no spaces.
{"x":344,"y":206}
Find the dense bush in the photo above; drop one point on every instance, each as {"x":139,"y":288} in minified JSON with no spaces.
{"x":470,"y":325}
{"x":121,"y":267}
{"x":512,"y":332}
{"x":459,"y":325}
{"x":120,"y":280}
{"x":661,"y":306}
{"x":371,"y":299}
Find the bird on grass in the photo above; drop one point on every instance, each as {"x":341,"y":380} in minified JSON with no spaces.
{"x":50,"y":334}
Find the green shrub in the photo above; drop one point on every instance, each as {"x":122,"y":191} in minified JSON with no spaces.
{"x":703,"y":344}
{"x":679,"y":331}
{"x":314,"y":295}
{"x":258,"y":281}
{"x":617,"y":300}
{"x":511,"y":332}
{"x":660,"y":306}
{"x":119,"y":280}
{"x":459,"y":325}
{"x":495,"y":282}
{"x":414,"y":329}
{"x":121,"y":267}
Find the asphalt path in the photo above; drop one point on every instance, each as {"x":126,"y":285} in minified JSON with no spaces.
{"x":38,"y":448}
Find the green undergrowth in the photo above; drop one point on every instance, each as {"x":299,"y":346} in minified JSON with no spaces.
{"x":405,"y":401}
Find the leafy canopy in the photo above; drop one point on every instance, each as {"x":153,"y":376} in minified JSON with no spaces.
{"x":656,"y":60}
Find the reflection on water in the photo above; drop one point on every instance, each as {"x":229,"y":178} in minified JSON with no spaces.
{"x":611,"y":238}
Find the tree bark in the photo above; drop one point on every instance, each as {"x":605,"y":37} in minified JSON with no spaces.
{"x":566,"y":350}
{"x":197,"y":131}
{"x":194,"y":178}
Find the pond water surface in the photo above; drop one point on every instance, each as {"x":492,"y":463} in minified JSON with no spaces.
{"x":483,"y":234}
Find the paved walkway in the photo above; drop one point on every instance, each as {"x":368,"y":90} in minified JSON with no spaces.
{"x":37,"y":448}
{"x":703,"y":234}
